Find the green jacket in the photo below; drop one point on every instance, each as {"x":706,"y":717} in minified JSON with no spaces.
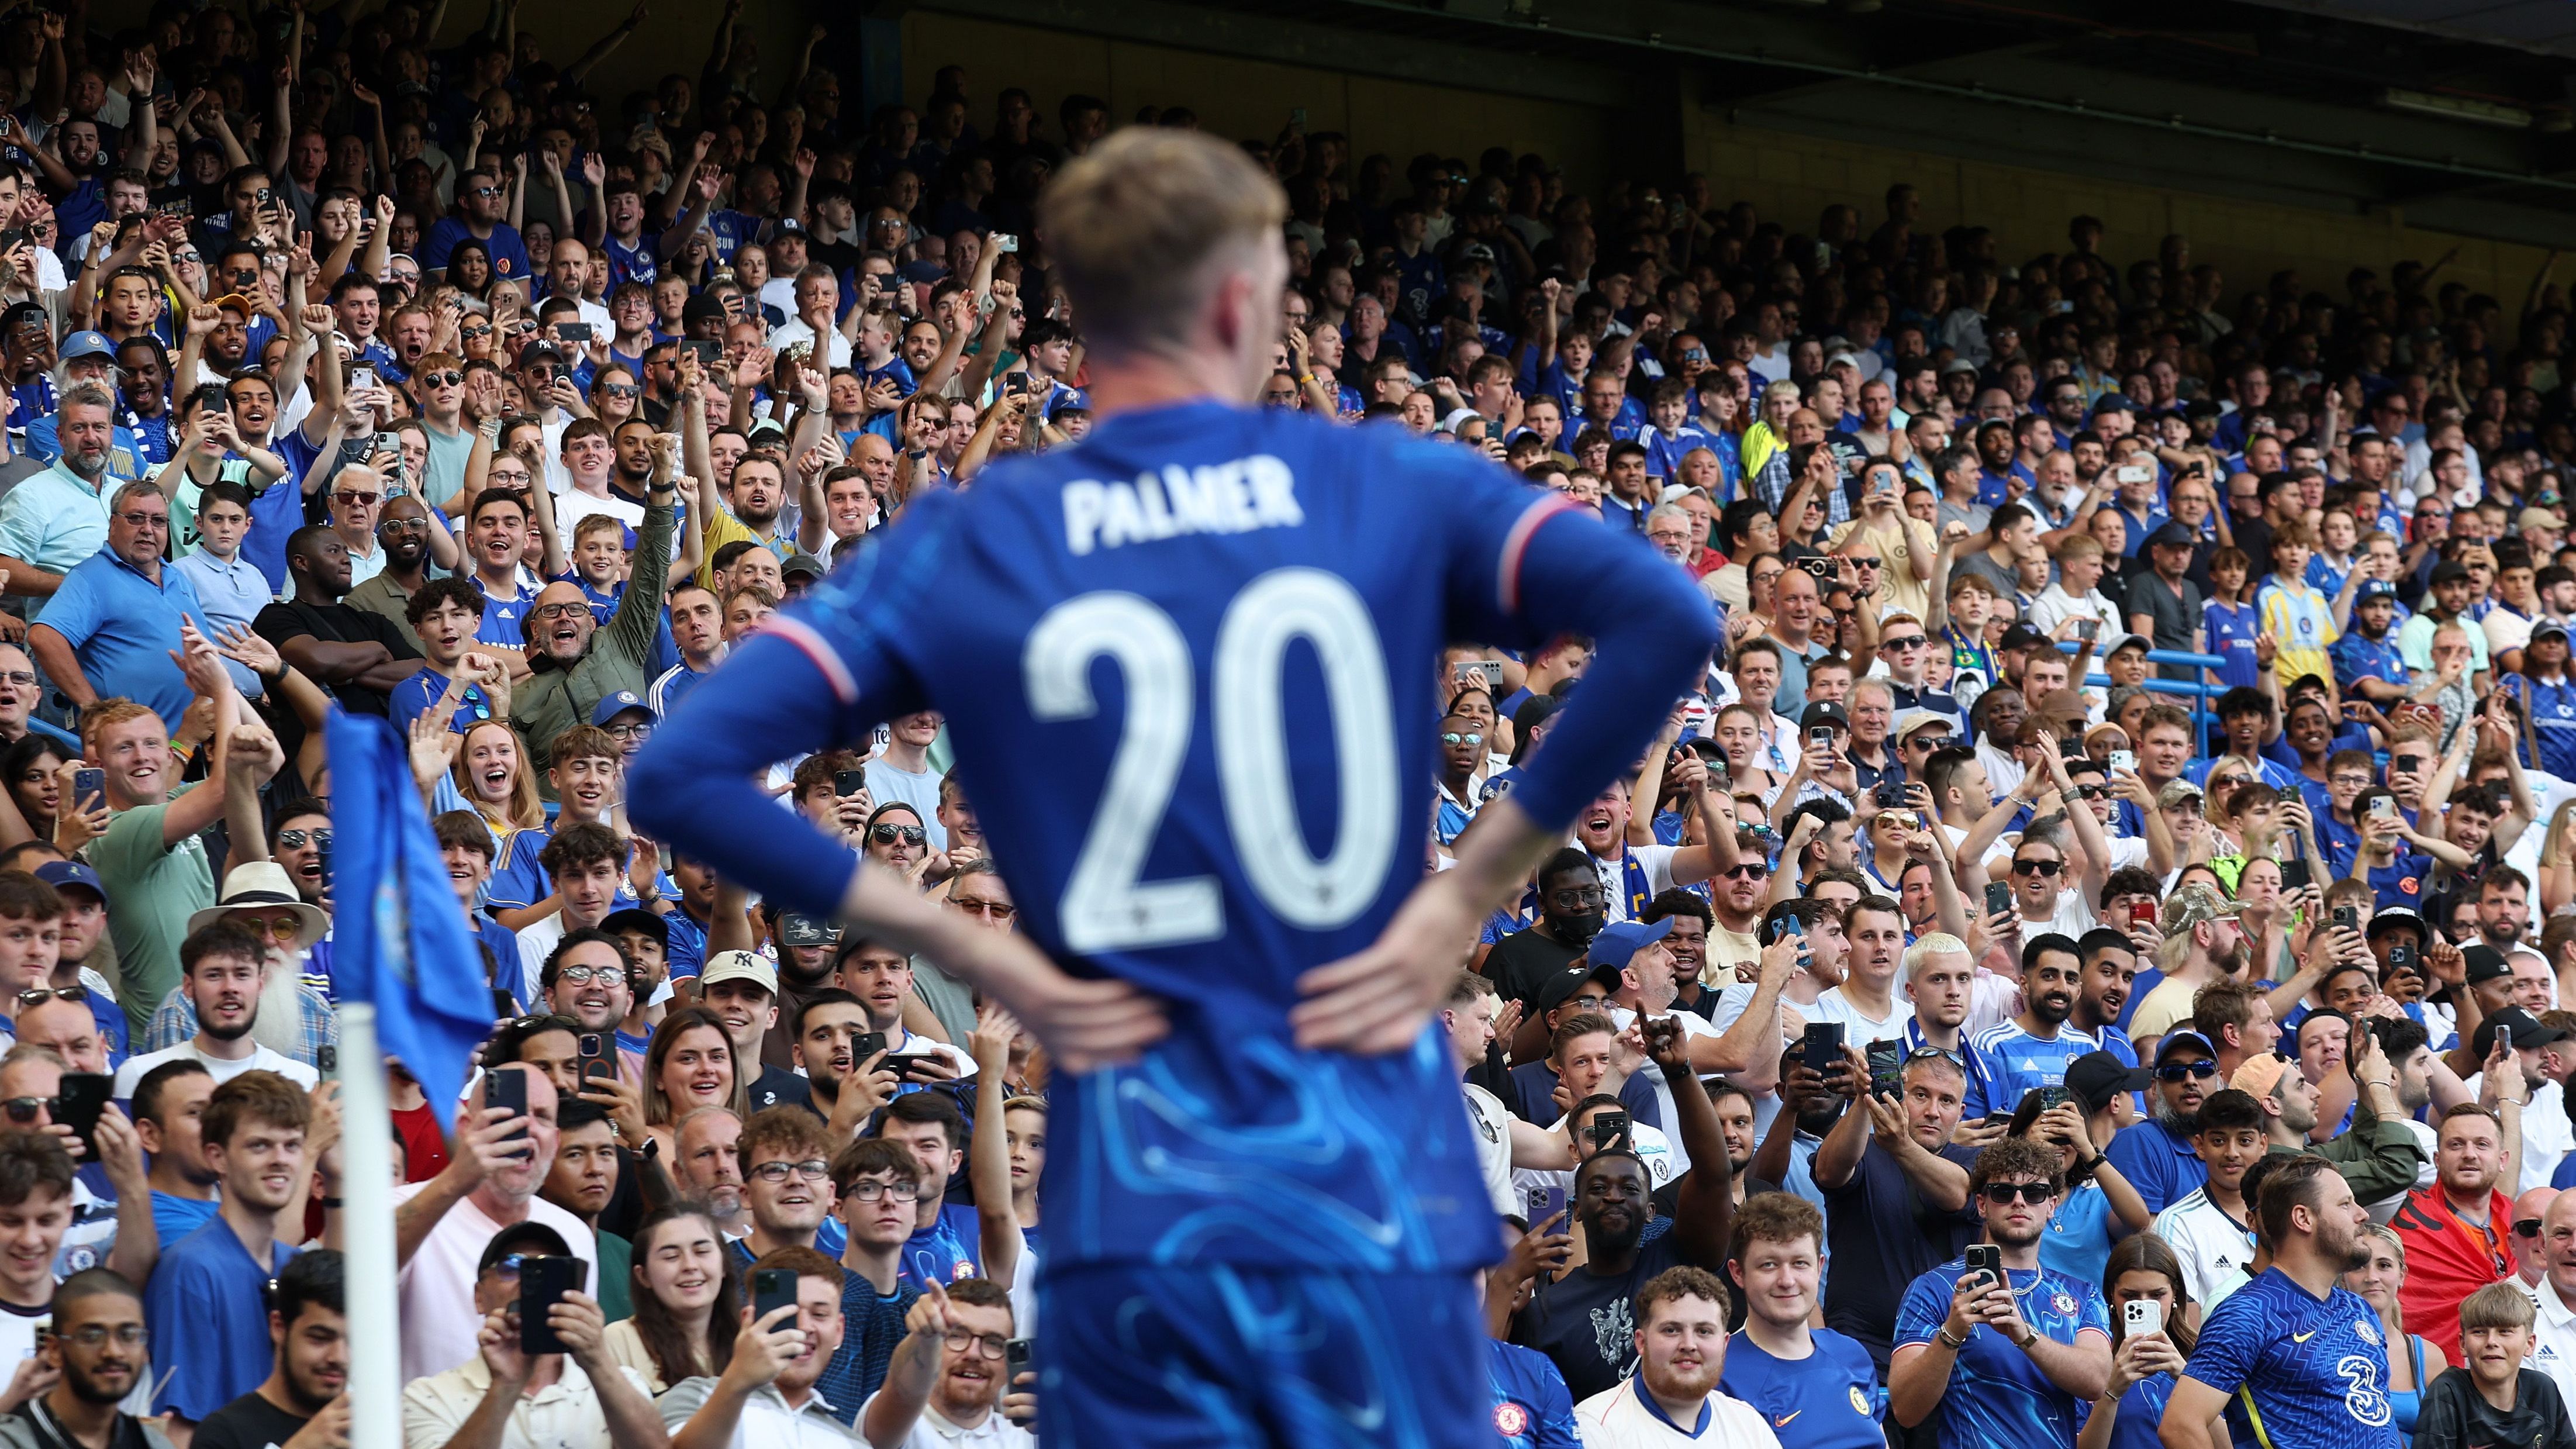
{"x":620,"y":656}
{"x":2378,"y":1155}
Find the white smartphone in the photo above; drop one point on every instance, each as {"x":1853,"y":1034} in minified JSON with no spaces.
{"x":2124,"y":760}
{"x":2141,"y":1316}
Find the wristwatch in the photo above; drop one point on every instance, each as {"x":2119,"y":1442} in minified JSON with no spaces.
{"x":2029,"y":1336}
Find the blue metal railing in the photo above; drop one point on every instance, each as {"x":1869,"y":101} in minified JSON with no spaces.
{"x":2197,"y":689}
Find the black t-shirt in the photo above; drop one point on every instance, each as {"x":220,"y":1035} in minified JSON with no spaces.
{"x":1881,"y":1236}
{"x":1521,"y":961}
{"x":336,"y":624}
{"x":249,"y":1422}
{"x":777,"y":1087}
{"x":1585,"y":1322}
{"x":2455,"y":1415}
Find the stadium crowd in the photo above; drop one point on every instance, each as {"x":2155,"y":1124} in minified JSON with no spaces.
{"x":2119,"y":865}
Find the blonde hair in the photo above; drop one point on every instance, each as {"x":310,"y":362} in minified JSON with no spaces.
{"x":1138,"y":226}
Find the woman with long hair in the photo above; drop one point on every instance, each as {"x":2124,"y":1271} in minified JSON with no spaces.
{"x":492,"y":775}
{"x":2099,"y":1208}
{"x":469,"y":269}
{"x":33,"y":770}
{"x":2542,"y":690}
{"x":690,"y":1065}
{"x":2144,"y":1367}
{"x":2379,"y":1282}
{"x":687,"y":1295}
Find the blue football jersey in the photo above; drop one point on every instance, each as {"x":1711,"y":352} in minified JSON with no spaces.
{"x":1997,"y":1397}
{"x":1532,"y":1407}
{"x":1827,"y":1400}
{"x":2298,"y":1369}
{"x":1182,"y":665}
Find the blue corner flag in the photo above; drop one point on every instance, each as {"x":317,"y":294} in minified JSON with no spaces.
{"x":402,"y":943}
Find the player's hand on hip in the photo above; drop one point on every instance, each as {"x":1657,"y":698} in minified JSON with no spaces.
{"x":1379,"y":1000}
{"x":1085,"y":1024}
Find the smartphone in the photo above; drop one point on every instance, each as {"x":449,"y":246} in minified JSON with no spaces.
{"x":182,"y":209}
{"x":2384,"y":806}
{"x":706,"y":351}
{"x":508,"y":1089}
{"x":2401,"y":957}
{"x":2347,"y":918}
{"x":1785,"y":926}
{"x":846,"y":783}
{"x":82,"y":1096}
{"x":2051,"y":1098}
{"x":1886,"y":1068}
{"x":504,"y":1005}
{"x":543,"y":1281}
{"x":1890,"y":793}
{"x":1820,"y":738}
{"x":2088,"y":630}
{"x":1821,"y":568}
{"x":2124,"y":760}
{"x":89,"y":787}
{"x":1019,"y":1352}
{"x":2136,"y":473}
{"x":1988,"y":1259}
{"x":1998,"y":897}
{"x":2142,"y":913}
{"x":1609,"y":1130}
{"x":573,"y":331}
{"x":2141,"y":1316}
{"x":771,"y":1290}
{"x":598,"y":1056}
{"x":1005,"y":242}
{"x":363,"y":375}
{"x":2402,"y":767}
{"x":1297,"y":116}
{"x":867,"y":1044}
{"x":1822,"y":1046}
{"x":2294,"y":874}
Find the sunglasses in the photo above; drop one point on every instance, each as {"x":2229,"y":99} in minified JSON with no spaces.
{"x":1459,"y":739}
{"x":442,"y":379}
{"x":2526,"y":1227}
{"x":2000,"y":1193}
{"x":23,"y":1110}
{"x":351,"y":498}
{"x":39,"y":995}
{"x":2036,"y":867}
{"x":298,"y":839}
{"x":1910,"y":641}
{"x":621,"y":389}
{"x":889,"y":834}
{"x":2176,"y":1071}
{"x":1747,"y":870}
{"x":1936,"y":742}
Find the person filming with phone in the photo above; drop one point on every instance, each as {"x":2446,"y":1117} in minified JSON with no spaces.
{"x":765,"y":1394}
{"x":533,"y":1383}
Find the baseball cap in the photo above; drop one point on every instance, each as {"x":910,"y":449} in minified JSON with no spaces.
{"x":2172,"y":535}
{"x":236,"y":302}
{"x":2112,"y":402}
{"x":2531,"y":517}
{"x":2175,"y":792}
{"x":521,"y":1239}
{"x":2528,"y":1030}
{"x":2259,"y":1075}
{"x":1823,"y":712}
{"x":2094,"y":1078}
{"x":1915,"y":719}
{"x":803,"y":563}
{"x":2548,"y":626}
{"x":2193,"y":904}
{"x":2485,"y":963}
{"x":636,"y":918}
{"x":2389,"y":917}
{"x":2174,"y":1041}
{"x":2380,"y":589}
{"x":765,"y":431}
{"x":87,"y":344}
{"x":1556,"y":990}
{"x":62,"y":873}
{"x":612,"y":705}
{"x":739,"y":966}
{"x":2023,"y":636}
{"x":2449,"y":569}
{"x":1612,"y":949}
{"x":2127,"y":641}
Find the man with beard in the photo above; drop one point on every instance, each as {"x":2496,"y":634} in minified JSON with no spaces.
{"x":1572,"y":908}
{"x":1632,"y":875}
{"x":402,"y":534}
{"x":748,"y":511}
{"x":1579,"y":1321}
{"x":169,"y":1103}
{"x":2009,"y":1362}
{"x":2156,"y":1155}
{"x":1680,"y":1353}
{"x":222,"y":971}
{"x":309,"y":1328}
{"x":847,"y":1087}
{"x":2203,"y":942}
{"x":2303,"y":1352}
{"x":2031,"y":1050}
{"x":2208,"y":1227}
{"x":2456,"y":1231}
{"x":708,"y":1146}
{"x":1895,"y":1190}
{"x":948,"y":1376}
{"x":52,"y":521}
{"x":881,"y":978}
{"x":358,"y":655}
{"x":2378,"y":1155}
{"x":100,"y":1349}
{"x":213,"y":1279}
{"x":2110,"y":969}
{"x":578,"y":661}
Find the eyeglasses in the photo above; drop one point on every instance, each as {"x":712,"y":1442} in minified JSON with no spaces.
{"x":352,"y":498}
{"x":584,"y":975}
{"x":621,"y":389}
{"x":129,"y":1335}
{"x":2176,"y":1071}
{"x":1747,"y":870}
{"x":403,"y":525}
{"x":23,"y":1110}
{"x":989,"y":910}
{"x":19,"y":677}
{"x":275,"y":928}
{"x":869,"y":1190}
{"x":39,"y":995}
{"x":889,"y":834}
{"x":558,"y":611}
{"x":1577,"y":895}
{"x":144,"y":520}
{"x":634,"y":731}
{"x":990,"y":1345}
{"x":2034,"y":1193}
{"x":2036,"y":867}
{"x":812,"y":1169}
{"x":1459,"y":739}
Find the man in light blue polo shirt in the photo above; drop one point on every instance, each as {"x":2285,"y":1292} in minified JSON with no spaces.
{"x":109,"y":630}
{"x":88,"y":357}
{"x":53,"y":521}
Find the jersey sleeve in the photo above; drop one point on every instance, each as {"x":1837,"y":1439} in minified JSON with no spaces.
{"x":1526,"y":565}
{"x":2092,"y":1314}
{"x":2230,"y":1342}
{"x":1925,"y":1308}
{"x":1556,"y":1427}
{"x":826,"y":670}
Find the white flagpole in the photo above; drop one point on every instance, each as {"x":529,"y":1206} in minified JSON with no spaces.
{"x":367,"y":1234}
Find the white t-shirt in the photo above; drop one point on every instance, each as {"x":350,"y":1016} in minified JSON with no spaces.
{"x":1491,"y":1121}
{"x":2213,"y":1248}
{"x":1656,"y":863}
{"x":220,"y":1068}
{"x":1860,"y":1028}
{"x":2072,"y":918}
{"x":436,"y":1288}
{"x":1618,"y":1418}
{"x":930,"y":1431}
